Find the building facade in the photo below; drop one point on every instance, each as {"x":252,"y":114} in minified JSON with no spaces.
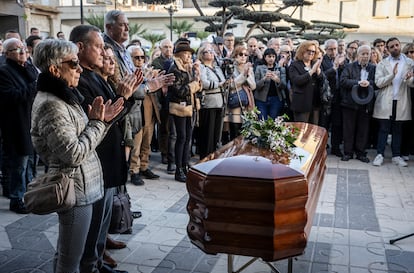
{"x":377,"y":18}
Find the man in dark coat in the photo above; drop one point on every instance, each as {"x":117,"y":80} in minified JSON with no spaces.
{"x":357,"y":106}
{"x":332,"y":66}
{"x":17,"y":92}
{"x":111,"y":151}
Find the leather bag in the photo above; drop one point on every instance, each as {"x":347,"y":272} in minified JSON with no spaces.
{"x":122,"y":218}
{"x":50,"y":193}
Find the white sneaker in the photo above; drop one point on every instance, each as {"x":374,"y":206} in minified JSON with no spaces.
{"x":379,"y":159}
{"x":397,"y":160}
{"x":405,"y":157}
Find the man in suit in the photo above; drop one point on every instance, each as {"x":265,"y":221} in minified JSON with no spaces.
{"x":111,"y":151}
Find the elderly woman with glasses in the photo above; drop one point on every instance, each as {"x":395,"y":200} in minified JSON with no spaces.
{"x":65,"y":137}
{"x":306,"y":79}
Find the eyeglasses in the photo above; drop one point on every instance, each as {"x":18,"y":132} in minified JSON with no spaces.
{"x":243,"y":54}
{"x":311,"y":52}
{"x":139,"y":57}
{"x":19,"y":50}
{"x":73,"y":64}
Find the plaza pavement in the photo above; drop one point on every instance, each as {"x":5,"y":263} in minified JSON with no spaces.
{"x":361,"y":207}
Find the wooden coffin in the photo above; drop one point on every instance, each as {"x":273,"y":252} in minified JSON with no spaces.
{"x":241,"y":202}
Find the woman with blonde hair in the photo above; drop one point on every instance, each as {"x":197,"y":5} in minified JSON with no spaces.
{"x":375,"y":57}
{"x":306,"y":79}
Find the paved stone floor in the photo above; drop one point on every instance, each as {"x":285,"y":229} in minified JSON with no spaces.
{"x":361,"y":207}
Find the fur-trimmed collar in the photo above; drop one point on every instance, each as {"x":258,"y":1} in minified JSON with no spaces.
{"x":58,"y":87}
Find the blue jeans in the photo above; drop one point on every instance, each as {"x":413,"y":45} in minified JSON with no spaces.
{"x":19,"y":177}
{"x":272,"y":107}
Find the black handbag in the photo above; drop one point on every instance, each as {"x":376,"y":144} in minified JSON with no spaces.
{"x":122,"y":218}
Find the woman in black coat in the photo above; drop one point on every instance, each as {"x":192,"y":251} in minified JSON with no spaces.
{"x":306,"y":78}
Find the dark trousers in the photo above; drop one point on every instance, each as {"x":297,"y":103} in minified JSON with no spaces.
{"x":183,"y":127}
{"x":355,"y":130}
{"x":392,"y":126}
{"x":209,"y":130}
{"x":234,"y":130}
{"x":166,"y":135}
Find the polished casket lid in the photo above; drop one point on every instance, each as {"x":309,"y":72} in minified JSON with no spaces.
{"x":245,"y":200}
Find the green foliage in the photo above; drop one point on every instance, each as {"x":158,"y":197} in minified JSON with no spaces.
{"x":96,"y":20}
{"x":153,"y":38}
{"x":202,"y":35}
{"x":180,"y":27}
{"x":136,"y":29}
{"x":272,"y":134}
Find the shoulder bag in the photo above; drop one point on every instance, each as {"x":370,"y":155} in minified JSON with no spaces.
{"x":50,"y":193}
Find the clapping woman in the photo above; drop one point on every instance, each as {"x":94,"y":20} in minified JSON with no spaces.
{"x":306,"y":79}
{"x":242,"y":78}
{"x":65,"y":137}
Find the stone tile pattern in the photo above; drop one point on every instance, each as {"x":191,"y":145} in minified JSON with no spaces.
{"x":346,"y":235}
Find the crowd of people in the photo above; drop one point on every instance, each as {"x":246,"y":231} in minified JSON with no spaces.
{"x":96,"y":106}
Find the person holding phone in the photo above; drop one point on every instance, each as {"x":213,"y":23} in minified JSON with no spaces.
{"x":270,"y":84}
{"x":306,"y":78}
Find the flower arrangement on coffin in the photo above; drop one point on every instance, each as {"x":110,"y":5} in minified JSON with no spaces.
{"x":274,"y":135}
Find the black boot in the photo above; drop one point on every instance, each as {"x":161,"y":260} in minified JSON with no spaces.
{"x":170,"y":168}
{"x":179,"y":175}
{"x":185,"y":169}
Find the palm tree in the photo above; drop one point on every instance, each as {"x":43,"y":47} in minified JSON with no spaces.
{"x":136,"y":29}
{"x":181,"y":27}
{"x":96,"y":20}
{"x":153,"y":38}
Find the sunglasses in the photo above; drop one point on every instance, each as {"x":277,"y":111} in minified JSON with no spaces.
{"x":73,"y":64}
{"x":19,"y":50}
{"x":311,"y":52}
{"x":208,"y":51}
{"x":139,"y":57}
{"x":243,"y":54}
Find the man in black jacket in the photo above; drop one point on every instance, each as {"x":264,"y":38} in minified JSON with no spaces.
{"x":332,"y":66}
{"x":17,"y":92}
{"x":111,"y":151}
{"x":357,"y":102}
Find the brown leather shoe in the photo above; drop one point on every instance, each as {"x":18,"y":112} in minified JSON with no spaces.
{"x":113,"y":244}
{"x":108,"y":260}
